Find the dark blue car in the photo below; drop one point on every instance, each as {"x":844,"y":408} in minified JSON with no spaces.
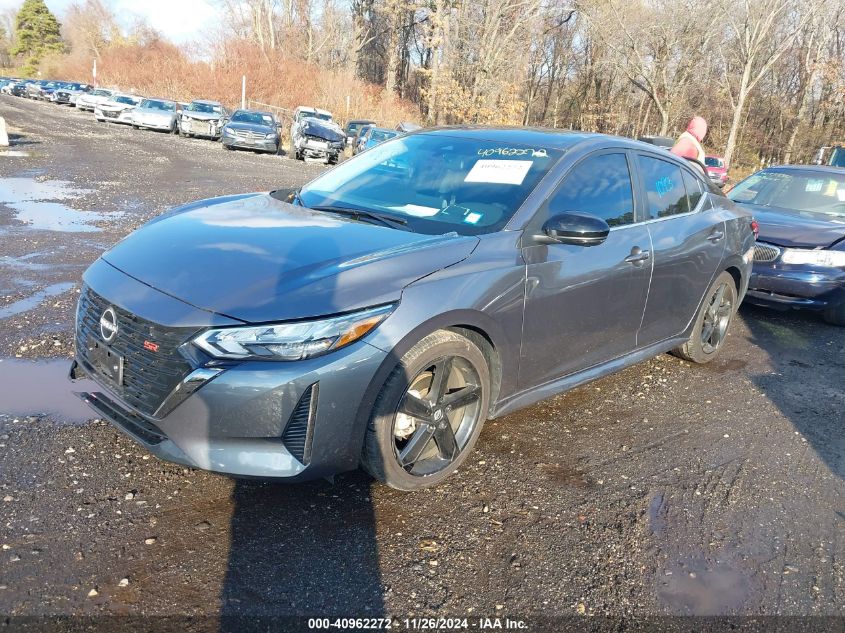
{"x":799,"y":260}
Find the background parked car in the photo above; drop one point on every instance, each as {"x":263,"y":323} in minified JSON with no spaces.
{"x":717,"y":170}
{"x":407,"y":127}
{"x":89,"y":100}
{"x":17,"y":89}
{"x":68,"y":91}
{"x":202,"y":118}
{"x":35,"y":89}
{"x":374,"y":136}
{"x":252,"y":129}
{"x":353,"y":127}
{"x":316,"y":139}
{"x":362,"y":131}
{"x":661,"y":141}
{"x":157,"y":114}
{"x":799,"y":259}
{"x":118,"y":109}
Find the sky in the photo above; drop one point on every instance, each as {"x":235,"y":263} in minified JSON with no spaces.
{"x":178,"y":20}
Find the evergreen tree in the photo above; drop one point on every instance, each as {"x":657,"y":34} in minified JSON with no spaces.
{"x":37,"y":33}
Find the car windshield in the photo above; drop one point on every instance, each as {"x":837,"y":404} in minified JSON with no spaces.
{"x":353,"y":128}
{"x":812,"y":191}
{"x":258,"y":118}
{"x":436,"y":183}
{"x":154,"y":104}
{"x":127,"y":100}
{"x":204,"y":107}
{"x":712,"y":161}
{"x":101,"y":93}
{"x":382,"y":135}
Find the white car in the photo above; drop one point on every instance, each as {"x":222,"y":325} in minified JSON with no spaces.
{"x":90,"y":100}
{"x":118,"y":109}
{"x":157,"y":114}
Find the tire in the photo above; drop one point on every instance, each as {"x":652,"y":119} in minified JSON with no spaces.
{"x":835,"y":315}
{"x":439,"y":434}
{"x":708,"y":338}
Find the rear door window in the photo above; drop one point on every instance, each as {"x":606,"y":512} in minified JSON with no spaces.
{"x":664,"y":187}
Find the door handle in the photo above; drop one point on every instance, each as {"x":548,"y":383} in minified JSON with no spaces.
{"x":637,"y":256}
{"x":715,"y":236}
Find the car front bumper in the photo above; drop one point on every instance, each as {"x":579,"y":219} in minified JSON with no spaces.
{"x":264,"y":145}
{"x":200,"y":127}
{"x":796,"y":286}
{"x":154,"y":123}
{"x":288,"y":420}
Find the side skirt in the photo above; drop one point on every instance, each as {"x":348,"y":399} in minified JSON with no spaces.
{"x":542,"y":392}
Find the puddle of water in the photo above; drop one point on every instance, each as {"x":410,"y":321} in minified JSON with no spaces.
{"x":39,"y":205}
{"x":32,"y":301}
{"x":696,"y":587}
{"x":54,"y":216}
{"x":42,"y":387}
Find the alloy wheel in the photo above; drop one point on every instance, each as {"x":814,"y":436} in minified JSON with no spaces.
{"x":437,"y":415}
{"x":716,"y":319}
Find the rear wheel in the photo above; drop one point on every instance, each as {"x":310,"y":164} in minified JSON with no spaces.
{"x":712,"y":322}
{"x":429,"y":413}
{"x":835,"y":315}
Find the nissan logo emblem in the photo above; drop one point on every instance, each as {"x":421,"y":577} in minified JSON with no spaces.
{"x":108,"y":325}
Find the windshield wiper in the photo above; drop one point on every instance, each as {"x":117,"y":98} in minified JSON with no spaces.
{"x":365,"y":216}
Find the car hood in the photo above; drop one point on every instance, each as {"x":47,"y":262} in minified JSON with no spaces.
{"x":321,"y":129}
{"x":154,"y":112}
{"x":202,"y":116}
{"x":251,"y":127}
{"x":257,"y":259}
{"x":112,"y":105}
{"x":798,"y":229}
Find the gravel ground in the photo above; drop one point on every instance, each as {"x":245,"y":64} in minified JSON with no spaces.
{"x":664,"y":489}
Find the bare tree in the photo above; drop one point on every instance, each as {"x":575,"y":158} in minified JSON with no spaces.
{"x":760,"y":32}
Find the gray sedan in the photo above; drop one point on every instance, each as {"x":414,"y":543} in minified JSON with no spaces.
{"x":383,"y":312}
{"x":156,"y":114}
{"x":251,"y":129}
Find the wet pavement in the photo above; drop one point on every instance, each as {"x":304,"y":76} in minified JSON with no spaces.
{"x":664,"y":489}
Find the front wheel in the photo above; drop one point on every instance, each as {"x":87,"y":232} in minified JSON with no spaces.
{"x":429,"y":413}
{"x":712,"y":322}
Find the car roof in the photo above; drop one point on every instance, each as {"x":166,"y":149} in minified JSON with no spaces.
{"x":206,"y":101}
{"x":159,"y":99}
{"x":825,"y":169}
{"x":252,"y":111}
{"x":548,"y":137}
{"x":359,"y":121}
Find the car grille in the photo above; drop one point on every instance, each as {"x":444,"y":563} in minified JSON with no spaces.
{"x":111,"y":114}
{"x":148,"y":376}
{"x":249,"y":136}
{"x":765,"y":252}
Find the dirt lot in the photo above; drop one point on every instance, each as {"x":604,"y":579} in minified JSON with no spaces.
{"x":665,"y":489}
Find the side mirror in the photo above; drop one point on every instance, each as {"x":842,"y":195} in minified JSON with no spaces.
{"x":574,"y":227}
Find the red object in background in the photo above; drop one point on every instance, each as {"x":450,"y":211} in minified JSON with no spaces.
{"x":716,"y":168}
{"x":755,"y":228}
{"x":153,"y":347}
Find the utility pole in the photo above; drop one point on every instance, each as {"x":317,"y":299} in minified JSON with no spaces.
{"x":243,"y":93}
{"x":94,"y":73}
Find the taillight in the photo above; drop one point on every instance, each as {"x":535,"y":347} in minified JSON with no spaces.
{"x":755,"y":228}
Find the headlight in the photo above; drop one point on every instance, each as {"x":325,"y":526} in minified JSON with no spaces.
{"x":270,"y":136}
{"x":291,"y":341}
{"x":819,"y":258}
{"x":228,"y":132}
